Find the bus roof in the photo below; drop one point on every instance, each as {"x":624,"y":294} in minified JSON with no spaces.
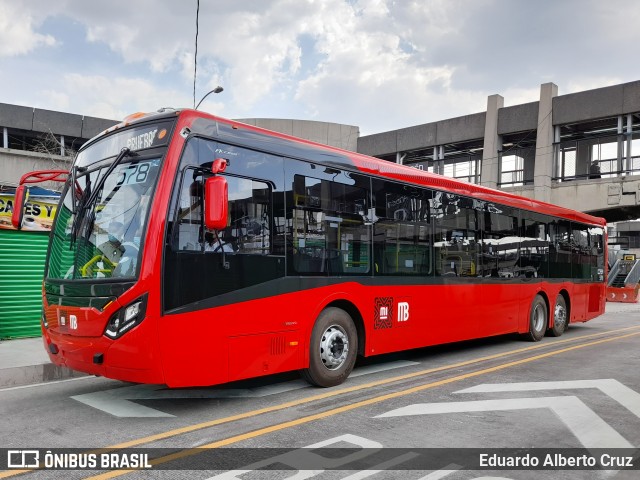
{"x":202,"y":123}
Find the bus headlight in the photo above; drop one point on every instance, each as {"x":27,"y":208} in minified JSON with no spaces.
{"x":126,"y":318}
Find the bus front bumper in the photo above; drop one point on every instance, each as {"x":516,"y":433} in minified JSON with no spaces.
{"x":128,"y":358}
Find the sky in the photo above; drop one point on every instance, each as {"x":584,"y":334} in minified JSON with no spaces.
{"x":377,"y":64}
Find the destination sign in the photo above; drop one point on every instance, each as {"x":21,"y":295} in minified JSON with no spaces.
{"x":135,"y":139}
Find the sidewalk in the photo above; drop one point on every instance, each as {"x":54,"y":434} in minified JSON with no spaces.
{"x":24,"y":361}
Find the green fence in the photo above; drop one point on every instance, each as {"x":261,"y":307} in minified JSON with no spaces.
{"x":22,"y":256}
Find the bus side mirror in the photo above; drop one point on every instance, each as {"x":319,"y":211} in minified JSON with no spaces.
{"x":18,"y":206}
{"x":216,"y":201}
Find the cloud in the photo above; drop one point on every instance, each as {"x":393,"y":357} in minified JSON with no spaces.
{"x":372,"y":73}
{"x":378,"y":64}
{"x":116,"y":97}
{"x":17,"y":35}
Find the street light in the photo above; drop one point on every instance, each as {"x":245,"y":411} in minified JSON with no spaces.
{"x":218,"y":89}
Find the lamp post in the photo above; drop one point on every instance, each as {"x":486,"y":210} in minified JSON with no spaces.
{"x":218,"y":89}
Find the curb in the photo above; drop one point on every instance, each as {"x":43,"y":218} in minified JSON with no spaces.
{"x":28,"y":375}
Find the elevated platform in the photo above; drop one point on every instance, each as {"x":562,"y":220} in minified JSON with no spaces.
{"x":614,"y":198}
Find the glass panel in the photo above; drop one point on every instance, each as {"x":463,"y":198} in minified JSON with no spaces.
{"x":103,"y":239}
{"x":583,"y":259}
{"x":533,"y":259}
{"x":457,"y":235}
{"x":329,"y":233}
{"x":249,"y":226}
{"x":500,"y":243}
{"x":202,"y":264}
{"x":402,"y":232}
{"x":560,"y":249}
{"x":189,"y":212}
{"x":136,"y":139}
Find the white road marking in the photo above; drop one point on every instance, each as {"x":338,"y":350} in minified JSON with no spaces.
{"x":301,"y":459}
{"x":382,"y":467}
{"x":628,"y":398}
{"x":584,"y":423}
{"x":437,"y":475}
{"x":383,"y":367}
{"x":20,"y":387}
{"x":117,"y":401}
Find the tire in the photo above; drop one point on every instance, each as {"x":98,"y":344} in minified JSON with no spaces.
{"x":332,"y":350}
{"x":560,"y":320}
{"x":538,"y":319}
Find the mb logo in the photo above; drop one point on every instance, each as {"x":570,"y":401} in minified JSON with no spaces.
{"x":403,"y":311}
{"x":23,"y":459}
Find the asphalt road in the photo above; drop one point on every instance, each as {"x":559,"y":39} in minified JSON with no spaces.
{"x":424,"y":414}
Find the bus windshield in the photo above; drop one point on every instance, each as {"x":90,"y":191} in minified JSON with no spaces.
{"x":103,"y":214}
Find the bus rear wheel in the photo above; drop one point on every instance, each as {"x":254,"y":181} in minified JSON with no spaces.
{"x":560,"y":320}
{"x":332,"y":350}
{"x":538,"y":319}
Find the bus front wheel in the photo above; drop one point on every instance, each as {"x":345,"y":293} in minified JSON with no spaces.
{"x":538,"y":319}
{"x":332,"y":350}
{"x":560,"y":320}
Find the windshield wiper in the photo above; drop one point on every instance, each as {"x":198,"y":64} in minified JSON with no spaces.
{"x":89,"y":196}
{"x":124,"y":153}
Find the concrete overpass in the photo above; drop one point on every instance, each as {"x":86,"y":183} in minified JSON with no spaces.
{"x":615,"y":199}
{"x":544,"y":149}
{"x":37,"y":139}
{"x":580,"y":150}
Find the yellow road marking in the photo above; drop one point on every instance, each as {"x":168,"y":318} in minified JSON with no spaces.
{"x":333,"y":393}
{"x":329,"y":394}
{"x":363,"y":403}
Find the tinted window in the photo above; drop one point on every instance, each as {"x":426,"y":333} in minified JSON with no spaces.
{"x":500,"y":242}
{"x":533,"y":259}
{"x":201,"y":264}
{"x":329,"y":233}
{"x":560,"y":249}
{"x":457,"y":235}
{"x":402,"y":231}
{"x":581,"y":257}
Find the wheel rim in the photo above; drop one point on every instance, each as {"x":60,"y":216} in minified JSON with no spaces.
{"x":538,"y":318}
{"x":334,"y":347}
{"x":560,"y":315}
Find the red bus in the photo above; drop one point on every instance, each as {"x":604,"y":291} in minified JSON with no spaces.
{"x":193,"y":250}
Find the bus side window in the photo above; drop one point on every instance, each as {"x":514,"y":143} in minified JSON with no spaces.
{"x":457,"y":236}
{"x":500,"y":243}
{"x":188,"y":221}
{"x":249,"y":229}
{"x":560,"y":250}
{"x":402,"y":231}
{"x":329,"y":235}
{"x":533,"y":259}
{"x":580,"y":252}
